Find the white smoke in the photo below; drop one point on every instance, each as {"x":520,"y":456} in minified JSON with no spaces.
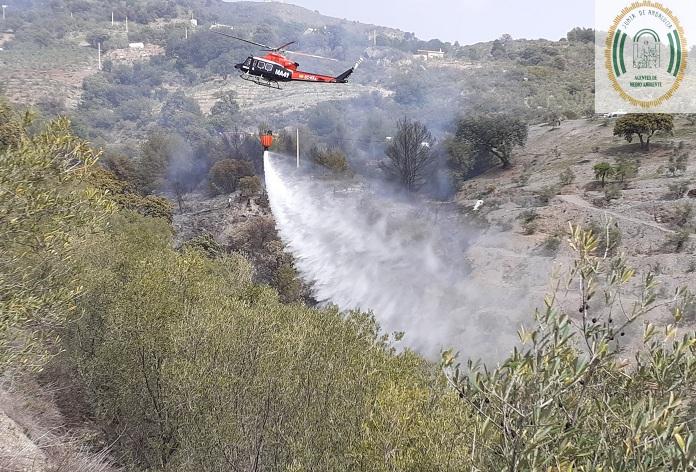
{"x":421,"y":271}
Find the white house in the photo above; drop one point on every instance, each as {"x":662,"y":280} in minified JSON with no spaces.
{"x":427,"y":54}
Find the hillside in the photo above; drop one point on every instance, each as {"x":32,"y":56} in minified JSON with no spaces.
{"x":531,"y":78}
{"x":531,"y":202}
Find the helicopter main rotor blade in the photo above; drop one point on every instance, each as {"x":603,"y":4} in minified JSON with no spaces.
{"x":280,"y":48}
{"x":245,"y":40}
{"x":312,"y":55}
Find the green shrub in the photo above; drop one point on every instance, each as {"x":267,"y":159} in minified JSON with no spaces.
{"x":683,"y":214}
{"x":568,"y":399}
{"x":186,"y":363}
{"x":206,"y":244}
{"x":547,"y":193}
{"x":677,"y":164}
{"x":603,"y":171}
{"x":551,"y":244}
{"x":677,"y":189}
{"x":250,"y":186}
{"x":528,"y":219}
{"x":332,"y":159}
{"x":46,"y":209}
{"x":612,"y":192}
{"x":225,"y":175}
{"x":125,"y":196}
{"x":678,"y":241}
{"x":625,"y":168}
{"x":608,"y":237}
{"x":566,"y":177}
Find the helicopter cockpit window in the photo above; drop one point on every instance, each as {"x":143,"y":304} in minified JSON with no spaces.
{"x":247,"y":62}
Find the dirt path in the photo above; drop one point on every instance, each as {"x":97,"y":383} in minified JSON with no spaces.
{"x":578,"y":201}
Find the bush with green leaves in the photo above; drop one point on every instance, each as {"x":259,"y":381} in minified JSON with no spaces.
{"x":566,"y":177}
{"x":603,"y":171}
{"x":528,"y":221}
{"x":568,"y":399}
{"x":46,"y":208}
{"x":677,"y":189}
{"x":124,"y":195}
{"x":225,"y":175}
{"x":678,"y":241}
{"x":11,"y":126}
{"x":188,"y":365}
{"x":677,"y":163}
{"x":250,"y":186}
{"x":683,"y":215}
{"x":612,"y":192}
{"x":546,"y":193}
{"x":331,"y":159}
{"x":625,"y":168}
{"x":608,"y":236}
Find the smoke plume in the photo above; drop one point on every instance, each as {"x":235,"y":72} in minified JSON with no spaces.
{"x":421,"y":270}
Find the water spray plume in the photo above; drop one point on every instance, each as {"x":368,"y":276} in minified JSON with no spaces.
{"x":420,"y":271}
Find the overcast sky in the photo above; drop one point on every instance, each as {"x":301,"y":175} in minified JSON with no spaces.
{"x":466,"y":21}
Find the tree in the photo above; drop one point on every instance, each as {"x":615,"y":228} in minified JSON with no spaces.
{"x":250,"y":186}
{"x":579,"y":34}
{"x":495,"y":134}
{"x":157,"y":154}
{"x":225,"y":174}
{"x":179,"y":111}
{"x":409,"y":154}
{"x":46,"y":208}
{"x":223,"y":113}
{"x":332,"y":159}
{"x":567,"y":398}
{"x":645,"y":125}
{"x":11,"y":127}
{"x":602,"y":171}
{"x":96,"y":38}
{"x":226,"y":105}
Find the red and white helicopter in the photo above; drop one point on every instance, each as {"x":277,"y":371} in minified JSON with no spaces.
{"x":274,"y":67}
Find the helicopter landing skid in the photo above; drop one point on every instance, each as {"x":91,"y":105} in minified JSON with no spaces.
{"x":261,"y":81}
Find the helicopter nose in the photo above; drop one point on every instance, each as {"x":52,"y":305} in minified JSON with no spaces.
{"x":238,"y":66}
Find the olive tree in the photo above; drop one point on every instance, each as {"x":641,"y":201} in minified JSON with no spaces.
{"x":568,"y":399}
{"x":495,"y":134}
{"x":644,"y":125}
{"x":45,"y":209}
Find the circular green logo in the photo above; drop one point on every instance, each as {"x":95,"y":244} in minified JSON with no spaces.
{"x":646,"y":54}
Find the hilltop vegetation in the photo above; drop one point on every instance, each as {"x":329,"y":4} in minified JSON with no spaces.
{"x":535,"y":80}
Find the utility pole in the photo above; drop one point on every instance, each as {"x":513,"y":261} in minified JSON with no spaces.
{"x":112,"y":18}
{"x":3,"y":11}
{"x":374,"y":37}
{"x":186,"y":32}
{"x":126,"y":24}
{"x":99,"y":50}
{"x":298,"y":148}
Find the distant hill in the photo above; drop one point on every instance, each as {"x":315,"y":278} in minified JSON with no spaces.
{"x":54,"y":49}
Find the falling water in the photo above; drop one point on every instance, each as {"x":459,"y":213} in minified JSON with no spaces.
{"x":412,"y":266}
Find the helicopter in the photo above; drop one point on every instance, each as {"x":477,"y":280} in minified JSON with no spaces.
{"x":274,"y":68}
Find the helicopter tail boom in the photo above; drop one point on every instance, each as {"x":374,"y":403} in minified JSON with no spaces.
{"x":342,"y":79}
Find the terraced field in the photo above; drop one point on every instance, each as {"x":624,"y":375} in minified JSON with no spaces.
{"x":294,"y":97}
{"x":29,"y":74}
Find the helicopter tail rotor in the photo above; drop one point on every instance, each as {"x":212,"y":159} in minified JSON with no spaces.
{"x":343,"y":78}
